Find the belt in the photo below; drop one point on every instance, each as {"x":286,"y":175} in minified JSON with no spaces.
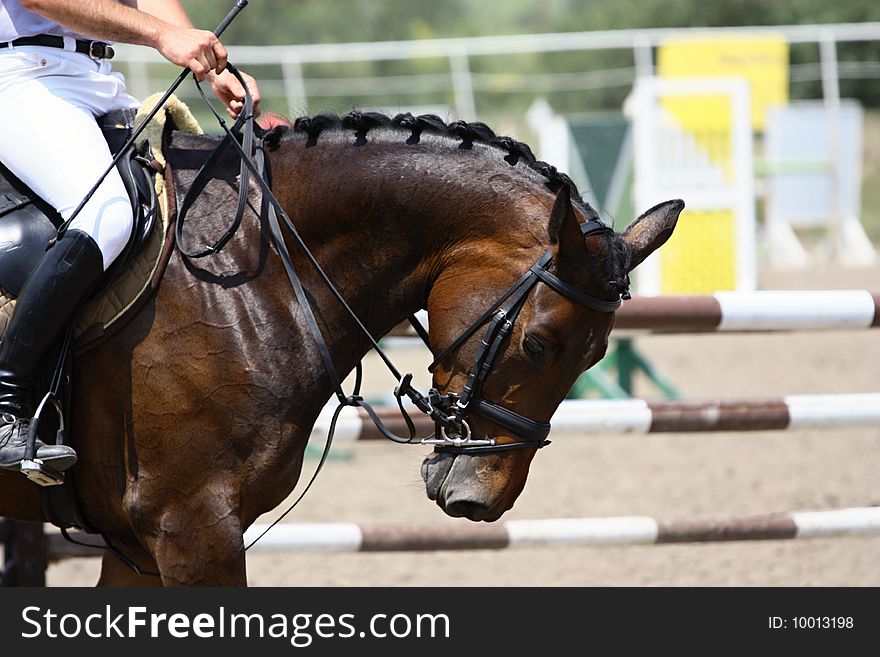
{"x":94,"y":49}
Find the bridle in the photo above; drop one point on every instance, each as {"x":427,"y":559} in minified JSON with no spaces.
{"x":453,"y":433}
{"x":449,"y":410}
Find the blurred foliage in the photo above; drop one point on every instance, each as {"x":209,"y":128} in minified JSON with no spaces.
{"x":870,"y":215}
{"x":336,"y":21}
{"x":340,"y":21}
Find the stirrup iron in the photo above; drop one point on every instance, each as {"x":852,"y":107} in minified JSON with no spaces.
{"x":31,"y":467}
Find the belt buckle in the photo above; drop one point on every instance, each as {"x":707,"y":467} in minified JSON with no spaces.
{"x":100,"y":50}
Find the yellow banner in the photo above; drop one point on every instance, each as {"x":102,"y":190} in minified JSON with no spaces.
{"x":761,"y":59}
{"x":700,"y":257}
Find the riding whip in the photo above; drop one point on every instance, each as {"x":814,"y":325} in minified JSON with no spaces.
{"x":239,"y":5}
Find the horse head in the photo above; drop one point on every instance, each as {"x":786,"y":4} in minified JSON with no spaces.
{"x":552,"y":327}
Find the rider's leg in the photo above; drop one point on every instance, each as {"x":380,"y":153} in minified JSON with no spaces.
{"x":52,"y":143}
{"x":46,"y":304}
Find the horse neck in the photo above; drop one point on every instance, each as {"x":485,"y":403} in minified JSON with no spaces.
{"x":387,"y":222}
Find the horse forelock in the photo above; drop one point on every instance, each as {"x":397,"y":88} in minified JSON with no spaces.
{"x":617,"y":272}
{"x":462,"y":134}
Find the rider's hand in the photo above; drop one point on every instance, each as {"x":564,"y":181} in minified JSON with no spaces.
{"x":198,"y":50}
{"x":229,"y":91}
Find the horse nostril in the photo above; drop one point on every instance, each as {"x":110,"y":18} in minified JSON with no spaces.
{"x":465,"y":509}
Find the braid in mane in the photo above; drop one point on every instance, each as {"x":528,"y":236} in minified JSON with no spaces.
{"x":363,"y":122}
{"x":466,"y":133}
{"x":470,"y":132}
{"x":314,"y":126}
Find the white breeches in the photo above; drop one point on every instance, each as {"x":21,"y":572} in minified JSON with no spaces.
{"x":49,"y":99}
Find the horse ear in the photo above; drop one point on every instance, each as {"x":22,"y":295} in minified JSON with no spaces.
{"x":563,"y":227}
{"x":650,"y":231}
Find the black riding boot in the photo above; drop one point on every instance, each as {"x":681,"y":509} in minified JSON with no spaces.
{"x":51,"y":295}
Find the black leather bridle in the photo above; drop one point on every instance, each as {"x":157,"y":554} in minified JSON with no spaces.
{"x":449,"y":410}
{"x":454,"y":434}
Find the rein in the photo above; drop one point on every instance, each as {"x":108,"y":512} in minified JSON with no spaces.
{"x":273,"y":210}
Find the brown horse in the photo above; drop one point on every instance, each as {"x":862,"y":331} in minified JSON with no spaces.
{"x":192,"y":420}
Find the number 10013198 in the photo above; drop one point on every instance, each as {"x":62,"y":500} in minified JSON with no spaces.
{"x":810,"y":622}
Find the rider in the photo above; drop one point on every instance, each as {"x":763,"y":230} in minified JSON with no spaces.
{"x":54,"y":82}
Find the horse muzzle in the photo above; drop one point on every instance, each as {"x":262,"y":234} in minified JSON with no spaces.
{"x":461,"y":487}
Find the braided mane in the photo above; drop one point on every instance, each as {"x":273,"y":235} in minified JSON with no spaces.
{"x":467,"y":134}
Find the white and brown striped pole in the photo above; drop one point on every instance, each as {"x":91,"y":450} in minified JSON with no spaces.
{"x":593,"y":416}
{"x":569,"y":532}
{"x":762,"y":311}
{"x":558,"y":532}
{"x":795,"y":310}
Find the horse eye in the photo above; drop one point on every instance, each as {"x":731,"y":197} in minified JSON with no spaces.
{"x":532,"y":346}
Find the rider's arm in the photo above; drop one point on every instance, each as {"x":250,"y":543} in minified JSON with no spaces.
{"x":169,"y":11}
{"x":163,"y":26}
{"x":225,"y":85}
{"x":160,"y":24}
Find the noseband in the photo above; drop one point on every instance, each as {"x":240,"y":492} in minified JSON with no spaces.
{"x":453,"y":433}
